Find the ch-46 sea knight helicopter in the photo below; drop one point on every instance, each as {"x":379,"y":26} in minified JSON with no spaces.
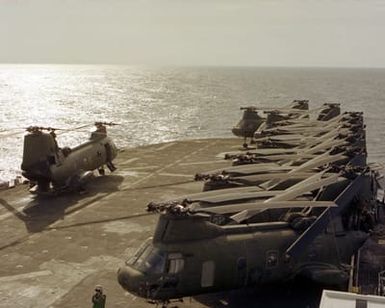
{"x":252,"y":124}
{"x":305,"y":218}
{"x":339,"y":139}
{"x":252,"y":119}
{"x":54,"y":169}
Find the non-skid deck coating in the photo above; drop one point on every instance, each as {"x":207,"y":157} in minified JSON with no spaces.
{"x":54,"y":251}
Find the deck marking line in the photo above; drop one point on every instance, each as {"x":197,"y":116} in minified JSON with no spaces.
{"x":176,"y":174}
{"x":25,"y":276}
{"x":130,"y":160}
{"x":164,"y":146}
{"x":167,"y":166}
{"x":203,"y":162}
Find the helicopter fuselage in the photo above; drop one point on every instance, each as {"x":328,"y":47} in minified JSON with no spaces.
{"x":235,"y":256}
{"x":45,"y":163}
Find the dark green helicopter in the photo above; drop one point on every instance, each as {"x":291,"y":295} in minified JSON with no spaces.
{"x":252,"y":120}
{"x":54,"y":169}
{"x":220,"y":246}
{"x":275,"y":231}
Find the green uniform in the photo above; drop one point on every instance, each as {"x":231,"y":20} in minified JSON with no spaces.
{"x":99,"y":300}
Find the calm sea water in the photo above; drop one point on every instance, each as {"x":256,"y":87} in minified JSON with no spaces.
{"x":154,"y":105}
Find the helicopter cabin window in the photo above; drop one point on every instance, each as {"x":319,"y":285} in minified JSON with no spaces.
{"x":175,"y":263}
{"x":271,"y":258}
{"x":208,"y":271}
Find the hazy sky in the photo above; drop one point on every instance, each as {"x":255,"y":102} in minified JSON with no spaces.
{"x":194,"y":32}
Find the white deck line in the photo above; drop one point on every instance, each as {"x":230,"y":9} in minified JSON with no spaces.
{"x":25,"y":276}
{"x":177,"y":174}
{"x":202,"y":162}
{"x":129,"y":160}
{"x":164,"y":146}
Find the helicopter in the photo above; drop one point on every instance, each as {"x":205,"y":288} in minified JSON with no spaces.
{"x":302,"y":220}
{"x":329,"y":143}
{"x":52,"y":169}
{"x":252,"y":120}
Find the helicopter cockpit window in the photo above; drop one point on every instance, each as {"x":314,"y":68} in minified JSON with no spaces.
{"x":175,"y":263}
{"x":151,"y":260}
{"x":139,"y":252}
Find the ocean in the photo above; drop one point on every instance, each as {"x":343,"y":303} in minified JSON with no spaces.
{"x":154,"y":105}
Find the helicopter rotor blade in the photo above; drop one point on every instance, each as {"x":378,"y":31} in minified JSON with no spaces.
{"x":314,"y":182}
{"x":260,"y":205}
{"x":342,"y":201}
{"x":227,"y":197}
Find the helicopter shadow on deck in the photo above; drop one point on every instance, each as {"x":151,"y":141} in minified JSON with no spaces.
{"x":41,"y":212}
{"x":299,"y":294}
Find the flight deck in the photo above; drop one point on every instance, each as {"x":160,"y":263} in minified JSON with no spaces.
{"x":55,"y":250}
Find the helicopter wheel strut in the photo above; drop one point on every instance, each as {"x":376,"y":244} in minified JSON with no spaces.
{"x":245,"y":145}
{"x":101,"y":171}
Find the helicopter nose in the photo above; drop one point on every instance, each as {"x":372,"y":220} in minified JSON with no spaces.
{"x":236,"y":131}
{"x":129,"y":279}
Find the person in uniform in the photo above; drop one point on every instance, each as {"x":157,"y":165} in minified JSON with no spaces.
{"x":99,"y":299}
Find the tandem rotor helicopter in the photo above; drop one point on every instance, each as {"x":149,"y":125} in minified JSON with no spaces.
{"x":52,"y":169}
{"x":295,"y":212}
{"x":252,"y":123}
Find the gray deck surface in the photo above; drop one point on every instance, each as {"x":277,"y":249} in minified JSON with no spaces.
{"x":53,"y":251}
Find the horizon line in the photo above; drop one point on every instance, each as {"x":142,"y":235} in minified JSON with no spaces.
{"x":196,"y":65}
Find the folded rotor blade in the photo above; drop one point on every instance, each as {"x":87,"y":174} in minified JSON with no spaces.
{"x":260,"y":205}
{"x":342,"y":201}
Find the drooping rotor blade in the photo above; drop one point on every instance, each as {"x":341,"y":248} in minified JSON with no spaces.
{"x":304,"y":187}
{"x":327,"y":123}
{"x":342,"y":201}
{"x":281,"y":110}
{"x":250,"y":169}
{"x":229,"y":197}
{"x":260,"y":205}
{"x":287,"y":137}
{"x":288,"y":157}
{"x":320,"y":161}
{"x":326,"y":145}
{"x":249,"y":213}
{"x":270,"y":151}
{"x":225,"y":196}
{"x":271,"y":176}
{"x":312,"y":125}
{"x":209,"y":193}
{"x":305,"y":131}
{"x":318,"y":144}
{"x":311,"y":164}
